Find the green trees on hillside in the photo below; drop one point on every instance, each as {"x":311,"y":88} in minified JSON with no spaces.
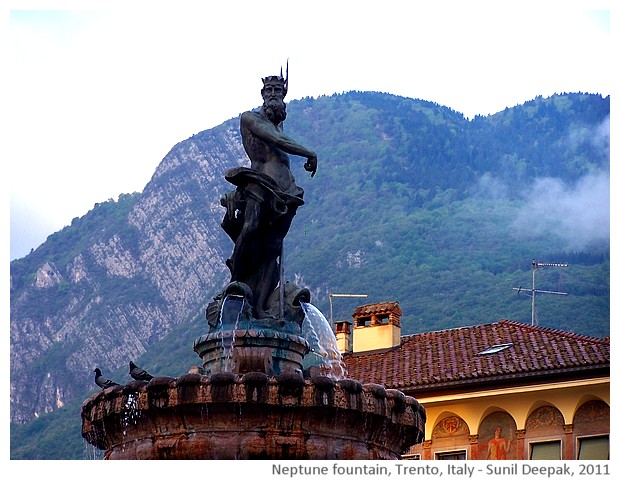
{"x":411,"y":202}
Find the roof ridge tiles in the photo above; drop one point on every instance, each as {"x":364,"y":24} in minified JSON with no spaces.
{"x":555,"y":331}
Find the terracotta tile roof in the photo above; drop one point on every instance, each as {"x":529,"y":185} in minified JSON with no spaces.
{"x":377,"y":309}
{"x":452,"y":357}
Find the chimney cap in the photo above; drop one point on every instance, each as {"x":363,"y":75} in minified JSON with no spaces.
{"x":377,"y":309}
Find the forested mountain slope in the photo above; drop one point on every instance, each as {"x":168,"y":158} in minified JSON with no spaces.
{"x":411,"y":202}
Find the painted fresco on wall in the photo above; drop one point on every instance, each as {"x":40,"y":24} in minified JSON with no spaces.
{"x":450,"y":427}
{"x":546,"y":420}
{"x":591,"y":412}
{"x":450,"y":436}
{"x":497,"y":439}
{"x":592,"y":418}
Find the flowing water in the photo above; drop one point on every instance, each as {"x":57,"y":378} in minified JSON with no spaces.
{"x":324,"y":351}
{"x":130,"y":413}
{"x":230,"y":312}
{"x":91,"y":452}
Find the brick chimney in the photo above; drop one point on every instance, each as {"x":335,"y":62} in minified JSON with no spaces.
{"x":376,"y":326}
{"x":343,"y":336}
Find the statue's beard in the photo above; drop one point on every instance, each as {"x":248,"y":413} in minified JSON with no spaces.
{"x":275,"y":109}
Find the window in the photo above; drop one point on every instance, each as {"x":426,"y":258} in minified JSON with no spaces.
{"x":412,"y":453}
{"x":546,"y":451}
{"x":593,"y":448}
{"x":414,"y":456}
{"x":457,"y":455}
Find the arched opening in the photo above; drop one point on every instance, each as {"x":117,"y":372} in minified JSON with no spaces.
{"x":544,"y":434}
{"x":591,"y":431}
{"x":497,"y":437}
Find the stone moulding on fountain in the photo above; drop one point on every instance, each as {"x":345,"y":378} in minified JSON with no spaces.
{"x":254,"y":416}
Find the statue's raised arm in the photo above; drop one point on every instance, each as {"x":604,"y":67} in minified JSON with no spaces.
{"x":259,"y":125}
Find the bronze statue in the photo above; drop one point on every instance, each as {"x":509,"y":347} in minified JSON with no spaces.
{"x":260,"y":211}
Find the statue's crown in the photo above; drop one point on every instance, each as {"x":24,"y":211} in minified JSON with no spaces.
{"x":278,"y":79}
{"x":274,"y":79}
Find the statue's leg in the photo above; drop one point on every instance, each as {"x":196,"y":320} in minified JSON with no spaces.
{"x":245,"y":258}
{"x":270,"y":272}
{"x":268,"y":279}
{"x":230,"y":223}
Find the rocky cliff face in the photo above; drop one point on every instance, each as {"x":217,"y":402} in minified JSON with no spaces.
{"x":399,"y":183}
{"x":170,"y":247}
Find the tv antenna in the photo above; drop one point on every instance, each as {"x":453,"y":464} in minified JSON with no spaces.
{"x":531,"y":292}
{"x":347,"y":295}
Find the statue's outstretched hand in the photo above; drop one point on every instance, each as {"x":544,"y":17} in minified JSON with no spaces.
{"x":310,"y":165}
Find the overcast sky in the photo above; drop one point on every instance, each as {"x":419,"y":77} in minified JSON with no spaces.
{"x":95,"y":97}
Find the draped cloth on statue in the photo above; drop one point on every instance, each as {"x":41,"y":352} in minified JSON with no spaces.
{"x":264,"y":188}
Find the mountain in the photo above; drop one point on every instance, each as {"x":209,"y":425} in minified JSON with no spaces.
{"x":411,"y":202}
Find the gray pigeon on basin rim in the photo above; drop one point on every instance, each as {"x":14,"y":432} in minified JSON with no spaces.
{"x":138,"y":373}
{"x":101,"y":381}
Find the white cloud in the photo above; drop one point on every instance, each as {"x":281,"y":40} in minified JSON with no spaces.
{"x":579,"y":214}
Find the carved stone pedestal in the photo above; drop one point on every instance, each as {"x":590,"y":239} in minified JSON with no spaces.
{"x":254,"y":416}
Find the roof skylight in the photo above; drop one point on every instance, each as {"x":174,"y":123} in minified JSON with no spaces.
{"x":495,"y":348}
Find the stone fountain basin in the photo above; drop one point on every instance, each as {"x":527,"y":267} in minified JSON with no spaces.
{"x":253,"y":416}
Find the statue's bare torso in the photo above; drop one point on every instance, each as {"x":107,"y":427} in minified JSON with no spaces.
{"x":264,"y":142}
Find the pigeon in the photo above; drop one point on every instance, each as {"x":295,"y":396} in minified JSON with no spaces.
{"x":138,"y":373}
{"x":102,"y":381}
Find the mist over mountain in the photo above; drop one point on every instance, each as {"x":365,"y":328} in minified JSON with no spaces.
{"x":412,"y":202}
{"x":578,"y":213}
